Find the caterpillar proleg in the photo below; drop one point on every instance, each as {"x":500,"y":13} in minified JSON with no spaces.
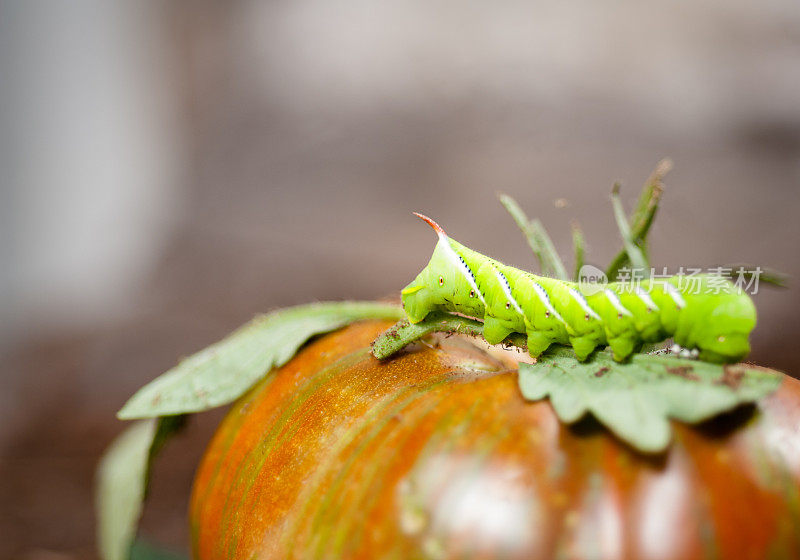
{"x":713,"y":319}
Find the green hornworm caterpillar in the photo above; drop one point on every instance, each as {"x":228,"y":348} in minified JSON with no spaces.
{"x":715,"y":321}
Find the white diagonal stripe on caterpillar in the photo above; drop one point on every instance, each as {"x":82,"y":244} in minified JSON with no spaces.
{"x":545,"y":299}
{"x":648,"y":301}
{"x":507,"y":288}
{"x":460,"y":265}
{"x":676,"y":296}
{"x":614,"y":299}
{"x":577,"y":296}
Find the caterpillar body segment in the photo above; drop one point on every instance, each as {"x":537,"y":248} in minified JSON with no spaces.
{"x":669,"y":302}
{"x":504,"y":315}
{"x":542,"y":322}
{"x":550,"y":311}
{"x":618,"y":321}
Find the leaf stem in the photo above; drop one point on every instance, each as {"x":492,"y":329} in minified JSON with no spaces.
{"x":404,"y":333}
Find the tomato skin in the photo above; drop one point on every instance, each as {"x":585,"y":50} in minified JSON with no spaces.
{"x":434,"y":454}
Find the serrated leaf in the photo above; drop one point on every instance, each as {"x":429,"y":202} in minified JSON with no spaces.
{"x":122,"y":479}
{"x":635,"y":400}
{"x":224,"y":371}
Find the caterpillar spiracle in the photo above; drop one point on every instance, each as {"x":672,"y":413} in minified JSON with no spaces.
{"x":716,"y":322}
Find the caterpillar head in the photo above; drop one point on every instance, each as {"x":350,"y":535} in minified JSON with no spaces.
{"x":722,"y":335}
{"x":442,"y":280}
{"x":417,"y":299}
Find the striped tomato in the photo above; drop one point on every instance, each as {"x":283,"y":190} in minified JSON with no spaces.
{"x":434,"y":454}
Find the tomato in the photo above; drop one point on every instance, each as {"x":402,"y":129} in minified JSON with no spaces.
{"x":435,"y":454}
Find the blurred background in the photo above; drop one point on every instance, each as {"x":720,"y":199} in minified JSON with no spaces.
{"x":169,"y":169}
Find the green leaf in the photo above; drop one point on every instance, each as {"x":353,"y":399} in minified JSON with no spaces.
{"x":224,"y":371}
{"x":120,"y":490}
{"x":538,"y":239}
{"x":635,"y":400}
{"x":122,"y":480}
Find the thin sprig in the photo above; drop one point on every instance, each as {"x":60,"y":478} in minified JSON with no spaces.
{"x":636,"y":255}
{"x":579,"y":249}
{"x":538,"y":239}
{"x":642,"y":217}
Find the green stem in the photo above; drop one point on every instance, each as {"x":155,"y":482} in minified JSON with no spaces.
{"x":643,"y":216}
{"x":404,"y":333}
{"x":767,"y":276}
{"x":579,"y":247}
{"x":538,"y":239}
{"x":635,"y":253}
